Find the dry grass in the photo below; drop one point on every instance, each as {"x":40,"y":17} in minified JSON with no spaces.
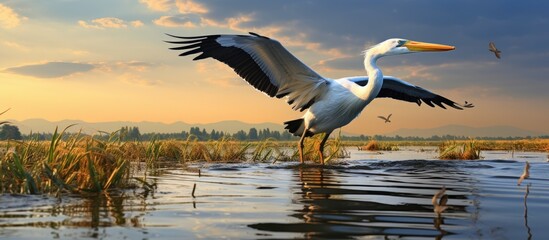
{"x":536,"y":145}
{"x":459,"y":150}
{"x":333,"y":148}
{"x":79,"y":164}
{"x":374,"y":145}
{"x":82,"y":164}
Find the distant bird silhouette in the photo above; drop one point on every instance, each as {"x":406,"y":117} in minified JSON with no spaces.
{"x":525,"y":174}
{"x":492,"y":48}
{"x":387,"y":120}
{"x":468,"y":105}
{"x":440,"y":206}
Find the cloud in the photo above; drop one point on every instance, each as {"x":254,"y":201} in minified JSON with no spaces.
{"x":14,"y":45}
{"x":51,"y":69}
{"x":175,"y":21}
{"x":137,"y":66}
{"x":182,"y":6}
{"x":9,"y":18}
{"x":224,"y":76}
{"x":188,"y":6}
{"x":109,"y":22}
{"x":135,"y":79}
{"x":158,"y":5}
{"x":137,"y":23}
{"x":79,"y":52}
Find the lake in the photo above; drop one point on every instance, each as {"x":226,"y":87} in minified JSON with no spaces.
{"x":372,"y":195}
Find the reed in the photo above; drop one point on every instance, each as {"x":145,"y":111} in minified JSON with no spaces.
{"x":77,"y":164}
{"x":334,"y":148}
{"x":459,"y":150}
{"x":374,"y":145}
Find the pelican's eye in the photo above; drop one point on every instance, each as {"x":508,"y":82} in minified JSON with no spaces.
{"x":401,"y":42}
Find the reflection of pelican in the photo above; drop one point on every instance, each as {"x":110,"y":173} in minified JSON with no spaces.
{"x":492,"y":48}
{"x":330,"y":104}
{"x":440,"y":206}
{"x":387,"y":120}
{"x":525,"y":173}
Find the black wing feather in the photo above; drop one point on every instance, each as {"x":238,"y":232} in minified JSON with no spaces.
{"x":398,"y":89}
{"x":241,"y":62}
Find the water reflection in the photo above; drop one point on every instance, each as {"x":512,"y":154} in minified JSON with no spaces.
{"x":375,"y":203}
{"x":528,"y":229}
{"x":95,"y":212}
{"x":374,"y":199}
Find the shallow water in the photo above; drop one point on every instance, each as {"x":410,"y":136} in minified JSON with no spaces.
{"x":373,"y":195}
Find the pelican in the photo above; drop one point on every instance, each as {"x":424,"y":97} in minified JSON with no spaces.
{"x":387,"y":119}
{"x":328,"y":103}
{"x":492,"y":48}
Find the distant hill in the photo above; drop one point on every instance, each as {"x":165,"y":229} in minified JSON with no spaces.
{"x":44,"y":126}
{"x":460,"y":130}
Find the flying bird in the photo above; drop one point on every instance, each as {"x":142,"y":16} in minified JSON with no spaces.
{"x":492,"y":48}
{"x":468,"y":105}
{"x":387,"y":120}
{"x":440,"y":205}
{"x":328,"y":103}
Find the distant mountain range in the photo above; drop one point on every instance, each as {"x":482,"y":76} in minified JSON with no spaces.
{"x":44,"y":126}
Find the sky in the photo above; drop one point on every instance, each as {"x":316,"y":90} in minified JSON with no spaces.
{"x":106,"y":60}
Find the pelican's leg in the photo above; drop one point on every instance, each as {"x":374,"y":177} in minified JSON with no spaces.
{"x":300,"y":146}
{"x":321,"y":147}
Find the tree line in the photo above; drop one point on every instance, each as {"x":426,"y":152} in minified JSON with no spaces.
{"x":253,"y":134}
{"x":128,"y":133}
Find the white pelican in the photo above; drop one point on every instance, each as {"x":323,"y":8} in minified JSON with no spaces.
{"x":492,"y":48}
{"x":330,"y":103}
{"x":387,"y":119}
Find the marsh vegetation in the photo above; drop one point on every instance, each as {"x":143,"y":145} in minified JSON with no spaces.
{"x":78,"y":163}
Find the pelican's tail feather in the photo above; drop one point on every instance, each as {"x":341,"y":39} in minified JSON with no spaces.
{"x":297,"y":127}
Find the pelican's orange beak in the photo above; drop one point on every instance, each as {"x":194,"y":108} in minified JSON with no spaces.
{"x":427,"y":47}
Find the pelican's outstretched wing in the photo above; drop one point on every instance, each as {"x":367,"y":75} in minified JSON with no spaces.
{"x":262,"y":62}
{"x":402,"y":90}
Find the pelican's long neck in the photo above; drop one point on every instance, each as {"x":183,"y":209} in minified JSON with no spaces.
{"x":375,"y":76}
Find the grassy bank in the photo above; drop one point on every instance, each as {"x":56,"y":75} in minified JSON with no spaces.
{"x":78,"y":163}
{"x":536,"y":145}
